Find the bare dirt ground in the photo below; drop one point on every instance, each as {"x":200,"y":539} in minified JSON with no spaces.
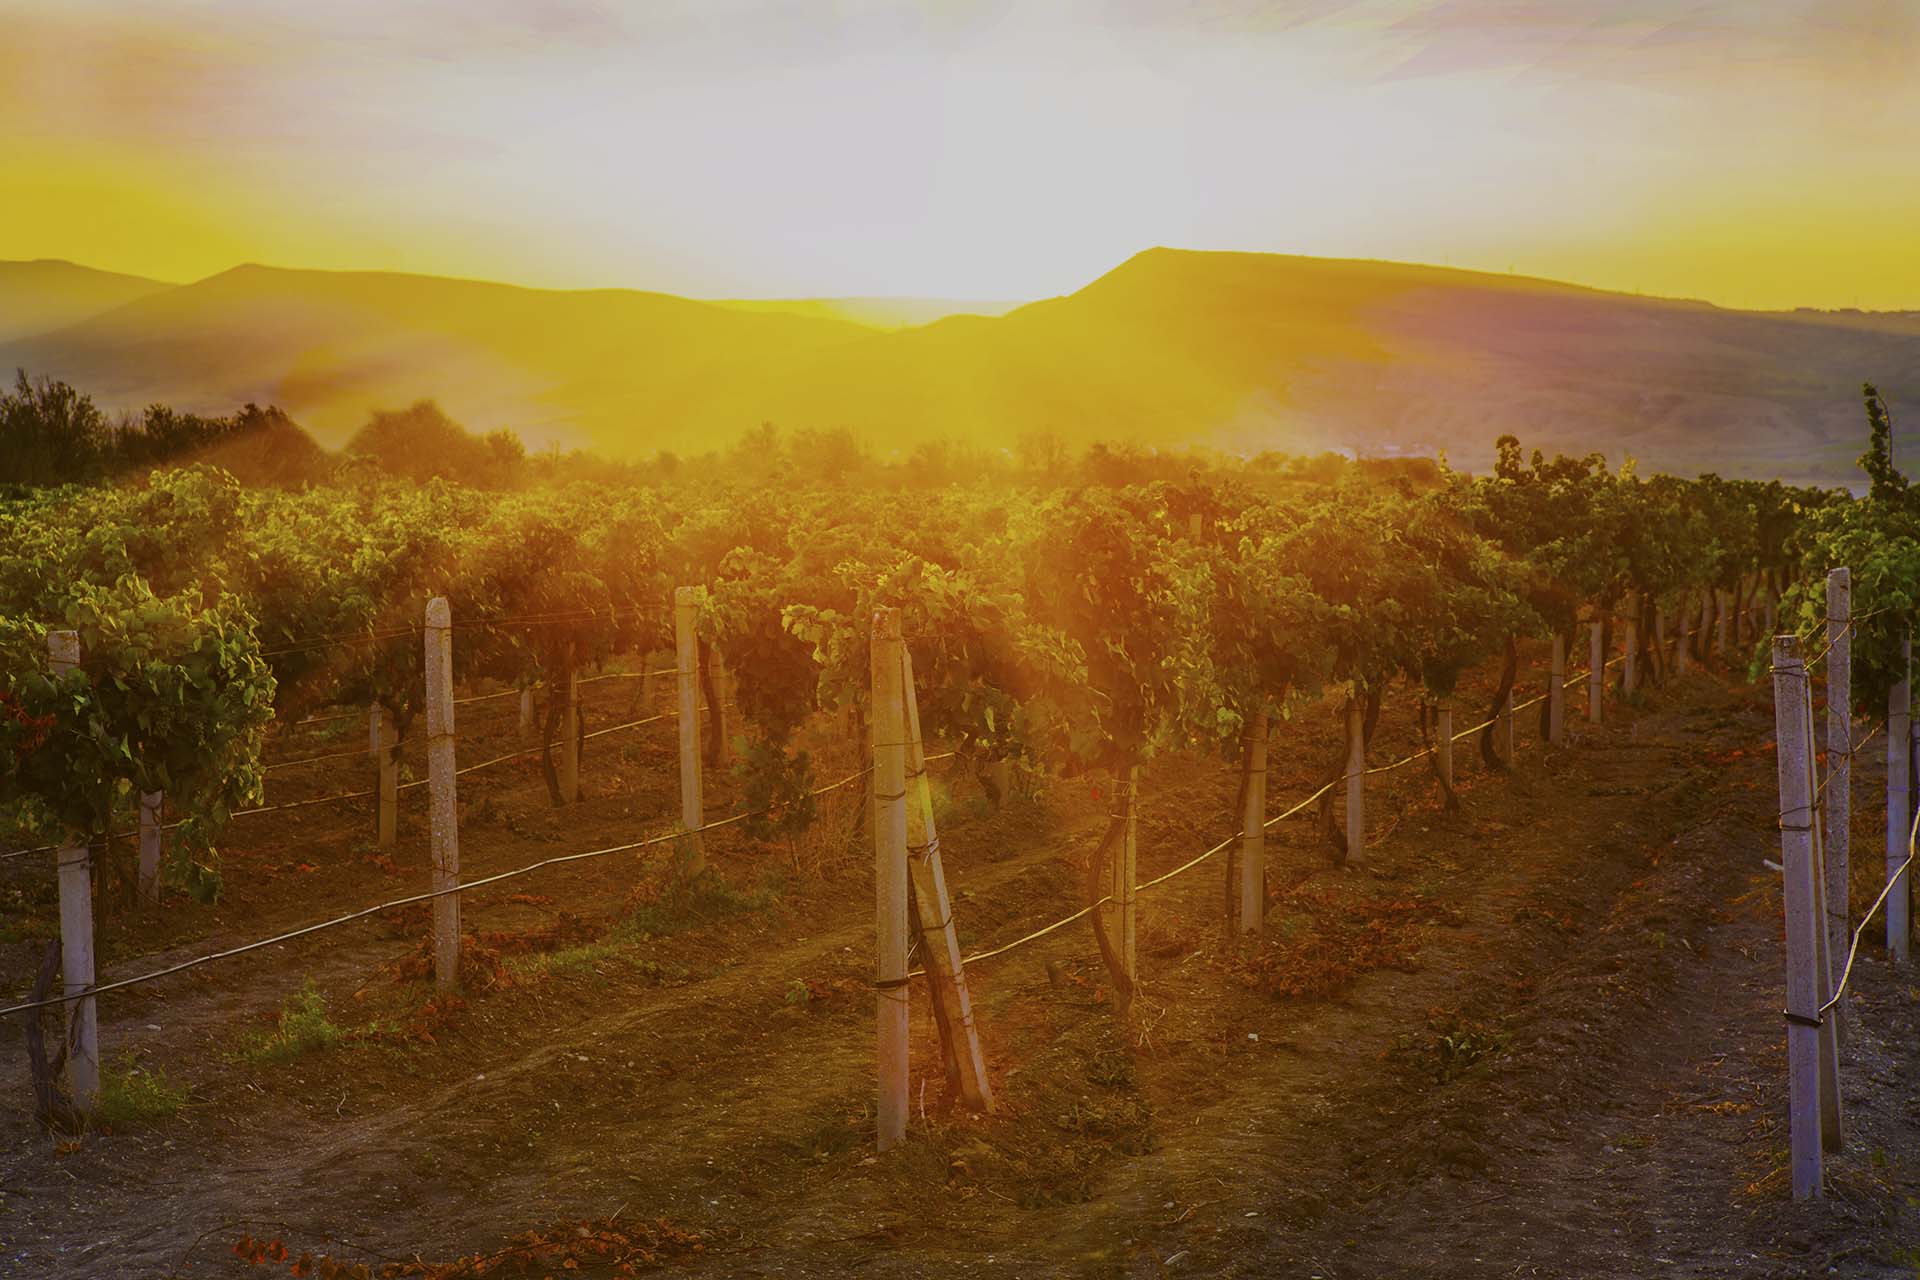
{"x":1538,"y":1036}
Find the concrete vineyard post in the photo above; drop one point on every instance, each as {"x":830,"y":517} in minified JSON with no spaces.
{"x":1836,"y":834}
{"x":939,"y":940}
{"x":1444,"y":730}
{"x":76,"y":929}
{"x":151,"y":803}
{"x":889,"y":730}
{"x":1557,"y":693}
{"x":570,"y":736}
{"x":1805,"y":989}
{"x":1899,"y":803}
{"x":1597,"y":669}
{"x":1253,"y":828}
{"x":686,"y":608}
{"x":526,"y":713}
{"x":443,"y":808}
{"x":386,"y":759}
{"x":1356,"y":778}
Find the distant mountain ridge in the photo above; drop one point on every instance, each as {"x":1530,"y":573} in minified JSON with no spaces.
{"x":875,"y":312}
{"x":48,"y":293}
{"x":1237,"y":351}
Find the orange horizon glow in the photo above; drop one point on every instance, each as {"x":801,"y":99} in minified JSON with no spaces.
{"x":1748,"y":155}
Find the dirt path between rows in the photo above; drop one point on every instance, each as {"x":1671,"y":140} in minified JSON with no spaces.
{"x":1577,"y":1071}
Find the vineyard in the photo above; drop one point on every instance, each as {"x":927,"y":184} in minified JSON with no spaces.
{"x":547,"y":814}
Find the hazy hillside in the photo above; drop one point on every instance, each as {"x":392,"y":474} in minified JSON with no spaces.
{"x":329,"y":346}
{"x":49,"y":294}
{"x":876,"y":313}
{"x":1242,"y":351}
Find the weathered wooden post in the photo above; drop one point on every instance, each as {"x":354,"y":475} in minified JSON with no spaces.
{"x":150,"y":844}
{"x":386,"y":757}
{"x":722,"y":695}
{"x":933,"y":909}
{"x":1825,"y":970}
{"x":1806,"y":986}
{"x":76,"y":929}
{"x":1630,"y":664}
{"x":1127,"y":876}
{"x":1557,"y":692}
{"x":526,"y":713}
{"x":1356,"y":777}
{"x":1899,"y":802}
{"x":443,"y":809}
{"x":570,"y":736}
{"x":1814,"y":1111}
{"x":1444,"y":729}
{"x":1682,"y":646}
{"x":1837,"y":838}
{"x":1724,"y":600}
{"x":1505,"y":734}
{"x":686,"y":608}
{"x":1597,"y":674}
{"x":889,"y":730}
{"x":1706,"y":622}
{"x":1253,"y":828}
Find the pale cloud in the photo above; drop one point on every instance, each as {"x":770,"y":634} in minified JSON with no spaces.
{"x":729,"y":146}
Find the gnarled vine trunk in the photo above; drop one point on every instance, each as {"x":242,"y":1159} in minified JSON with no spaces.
{"x":1429,"y":724}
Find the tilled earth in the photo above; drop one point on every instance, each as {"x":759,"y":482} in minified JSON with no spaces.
{"x":1536,"y":1036}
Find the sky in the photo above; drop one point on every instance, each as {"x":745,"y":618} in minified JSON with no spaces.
{"x":1756,"y":154}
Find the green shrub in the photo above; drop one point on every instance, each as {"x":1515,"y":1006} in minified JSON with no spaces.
{"x":303,"y":1027}
{"x":134,"y":1095}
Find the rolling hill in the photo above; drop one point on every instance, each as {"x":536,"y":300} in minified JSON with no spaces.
{"x":1236,"y":351}
{"x":876,"y":313}
{"x":48,"y":294}
{"x":329,"y":346}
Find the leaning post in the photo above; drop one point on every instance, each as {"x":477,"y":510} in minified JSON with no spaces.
{"x":1837,"y":840}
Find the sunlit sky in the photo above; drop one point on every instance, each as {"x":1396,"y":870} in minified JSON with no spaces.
{"x":1755,"y":154}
